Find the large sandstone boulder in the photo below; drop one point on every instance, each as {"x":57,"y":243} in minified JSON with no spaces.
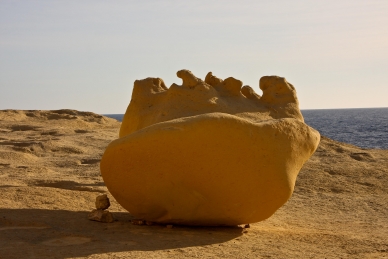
{"x":208,"y":152}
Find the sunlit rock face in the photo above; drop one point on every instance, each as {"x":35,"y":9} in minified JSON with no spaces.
{"x":209,"y":152}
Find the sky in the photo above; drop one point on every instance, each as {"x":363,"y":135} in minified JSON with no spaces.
{"x":85,"y":55}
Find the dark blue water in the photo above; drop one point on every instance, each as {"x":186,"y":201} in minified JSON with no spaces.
{"x":367,"y":128}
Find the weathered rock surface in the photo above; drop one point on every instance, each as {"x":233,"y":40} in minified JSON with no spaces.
{"x":208,"y":152}
{"x":102,"y":202}
{"x":101,"y":216}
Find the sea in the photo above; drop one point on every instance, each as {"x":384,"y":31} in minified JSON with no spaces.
{"x":363,"y":127}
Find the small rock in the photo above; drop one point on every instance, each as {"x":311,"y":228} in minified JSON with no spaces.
{"x":149,"y":223}
{"x":137,"y":222}
{"x":169,"y":226}
{"x":101,"y":216}
{"x":247,"y":226}
{"x":102,"y":202}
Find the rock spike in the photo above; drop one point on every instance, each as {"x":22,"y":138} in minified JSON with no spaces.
{"x":276,"y":90}
{"x":188,"y":78}
{"x":232,"y":86}
{"x":249,"y":93}
{"x":148,"y":86}
{"x":212,"y":80}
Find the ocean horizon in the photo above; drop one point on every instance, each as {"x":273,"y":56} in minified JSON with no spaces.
{"x":363,"y":127}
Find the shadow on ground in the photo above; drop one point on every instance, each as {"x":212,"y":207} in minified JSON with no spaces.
{"x":33,"y":233}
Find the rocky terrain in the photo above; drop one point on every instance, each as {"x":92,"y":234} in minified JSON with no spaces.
{"x":50,"y":177}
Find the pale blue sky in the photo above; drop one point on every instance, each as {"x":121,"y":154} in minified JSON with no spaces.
{"x":85,"y":55}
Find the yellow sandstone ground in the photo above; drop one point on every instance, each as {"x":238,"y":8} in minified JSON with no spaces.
{"x":49,"y":179}
{"x":208,"y":153}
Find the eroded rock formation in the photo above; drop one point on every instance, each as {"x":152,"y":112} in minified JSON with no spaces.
{"x":208,"y":152}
